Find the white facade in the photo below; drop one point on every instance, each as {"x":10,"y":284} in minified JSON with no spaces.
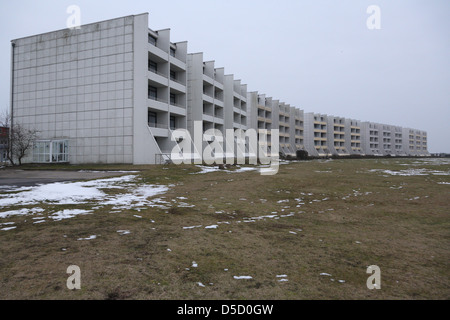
{"x":205,"y":99}
{"x":337,"y":136}
{"x":353,"y":137}
{"x":90,"y":88}
{"x":114,"y":91}
{"x":371,"y":138}
{"x":316,"y":134}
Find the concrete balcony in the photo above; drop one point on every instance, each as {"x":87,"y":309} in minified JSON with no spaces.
{"x":158,"y":77}
{"x":159,"y":130}
{"x":208,"y":79}
{"x":158,"y":52}
{"x":178,"y":86}
{"x":158,"y":104}
{"x":208,"y":98}
{"x":178,"y":63}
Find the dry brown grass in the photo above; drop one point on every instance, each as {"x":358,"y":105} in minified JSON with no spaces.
{"x":375,"y":224}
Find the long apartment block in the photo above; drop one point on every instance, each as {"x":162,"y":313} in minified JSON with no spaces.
{"x":115,"y":90}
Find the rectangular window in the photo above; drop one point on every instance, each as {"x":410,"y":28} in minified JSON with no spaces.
{"x":173,"y":75}
{"x":172,"y":52}
{"x":60,"y":151}
{"x":152,"y":66}
{"x":151,"y":40}
{"x":173,"y":99}
{"x":51,"y":151}
{"x":172,"y":123}
{"x":152,"y":119}
{"x":152,"y":93}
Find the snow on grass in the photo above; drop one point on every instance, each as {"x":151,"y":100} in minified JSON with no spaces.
{"x":325,"y":274}
{"x":242,"y":277}
{"x":192,"y":227}
{"x":82,"y":192}
{"x":20,"y":212}
{"x":8,"y":228}
{"x":244,"y":169}
{"x":88,"y":238}
{"x":113,"y":171}
{"x":239,"y":169}
{"x":206,"y":169}
{"x":68,"y":213}
{"x":283,"y":277}
{"x":57,"y":193}
{"x":412,"y":172}
{"x":122,"y":232}
{"x":136,"y":198}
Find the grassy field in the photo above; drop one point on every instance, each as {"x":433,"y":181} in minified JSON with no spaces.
{"x":316,"y":224}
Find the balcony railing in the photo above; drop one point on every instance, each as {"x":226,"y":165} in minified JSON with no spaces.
{"x":157,"y":99}
{"x":157,"y":72}
{"x":158,"y":125}
{"x":177,"y":81}
{"x":177,"y":105}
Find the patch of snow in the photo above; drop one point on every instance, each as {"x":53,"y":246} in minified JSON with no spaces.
{"x":68,"y":213}
{"x":20,"y":212}
{"x":192,"y":227}
{"x":8,"y":228}
{"x":242,"y":277}
{"x":411,"y":172}
{"x":88,"y":238}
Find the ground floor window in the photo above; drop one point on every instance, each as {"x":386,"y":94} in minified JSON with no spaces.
{"x":51,"y":151}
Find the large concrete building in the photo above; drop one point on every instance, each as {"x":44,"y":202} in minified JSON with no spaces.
{"x":114,"y":91}
{"x":317,"y":138}
{"x":353,"y":137}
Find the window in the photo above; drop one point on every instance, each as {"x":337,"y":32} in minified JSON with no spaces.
{"x":172,"y":122}
{"x":172,"y":52}
{"x":173,"y":75}
{"x":51,"y":151}
{"x":152,"y":119}
{"x":152,"y":92}
{"x":151,"y":40}
{"x":60,"y":151}
{"x":152,"y":66}
{"x":173,"y":99}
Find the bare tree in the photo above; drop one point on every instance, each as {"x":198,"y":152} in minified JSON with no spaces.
{"x":20,"y":139}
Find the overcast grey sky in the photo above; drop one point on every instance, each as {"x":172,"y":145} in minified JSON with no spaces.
{"x":317,"y":55}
